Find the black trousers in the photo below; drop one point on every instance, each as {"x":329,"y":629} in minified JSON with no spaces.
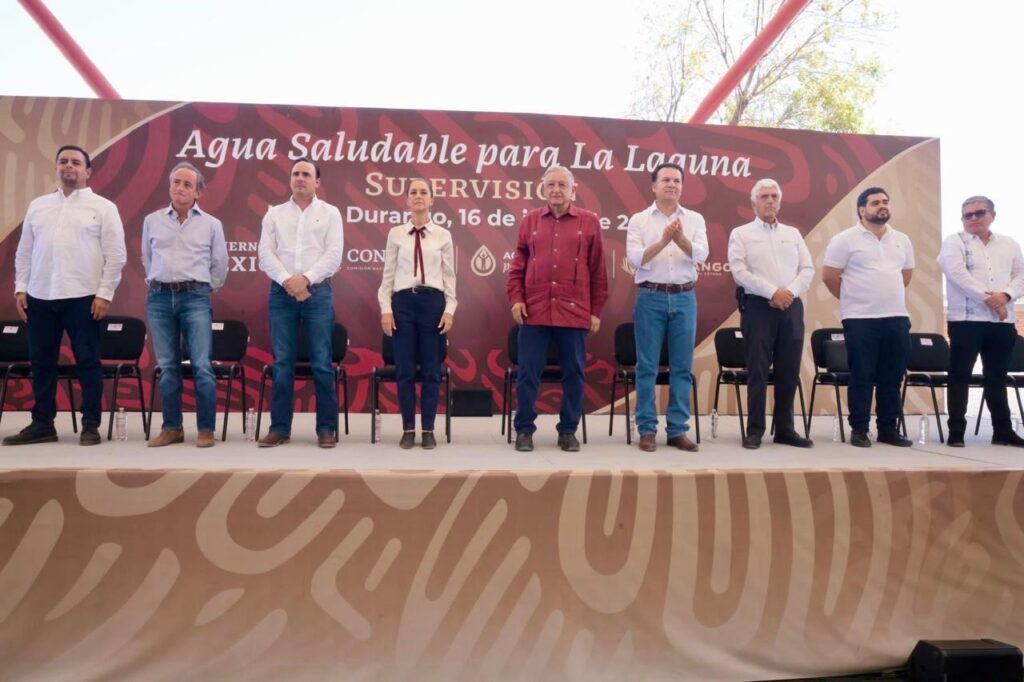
{"x":774,"y":338}
{"x":878,"y":350}
{"x":994,"y":341}
{"x":47,"y":322}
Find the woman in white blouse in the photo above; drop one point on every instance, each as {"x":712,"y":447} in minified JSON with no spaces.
{"x":417,"y":305}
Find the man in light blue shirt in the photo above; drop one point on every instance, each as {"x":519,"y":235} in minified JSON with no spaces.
{"x":186,"y":258}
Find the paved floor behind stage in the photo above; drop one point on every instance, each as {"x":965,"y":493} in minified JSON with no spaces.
{"x":477,"y":444}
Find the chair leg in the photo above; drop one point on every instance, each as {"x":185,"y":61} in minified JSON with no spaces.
{"x":74,"y":414}
{"x":903,"y":401}
{"x":507,"y":411}
{"x":245,"y":397}
{"x":113,"y":405}
{"x":374,"y":389}
{"x":718,"y":387}
{"x":259,"y":408}
{"x":448,"y":404}
{"x":337,"y":395}
{"x":227,"y":408}
{"x":142,"y":401}
{"x":625,"y":390}
{"x":344,"y":392}
{"x":1020,"y":406}
{"x":938,"y":420}
{"x":3,"y":393}
{"x":504,"y":400}
{"x":803,"y":409}
{"x":810,"y":410}
{"x":739,"y":409}
{"x":981,"y":408}
{"x":584,"y":419}
{"x":839,"y":414}
{"x":152,"y":401}
{"x":696,"y":406}
{"x":611,"y":403}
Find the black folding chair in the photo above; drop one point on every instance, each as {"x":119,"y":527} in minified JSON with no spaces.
{"x":304,"y":371}
{"x":122,"y":341}
{"x":551,"y":374}
{"x":390,"y":373}
{"x":928,"y":367}
{"x":731,"y":351}
{"x":230,"y":344}
{"x":625,"y":373}
{"x":14,"y":358}
{"x":1014,"y":379}
{"x":836,"y":375}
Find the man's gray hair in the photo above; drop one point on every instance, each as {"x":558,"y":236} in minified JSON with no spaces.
{"x":976,"y":199}
{"x":558,"y":169}
{"x":761,"y":184}
{"x":200,"y":180}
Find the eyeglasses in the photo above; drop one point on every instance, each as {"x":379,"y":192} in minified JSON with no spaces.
{"x":980,"y":213}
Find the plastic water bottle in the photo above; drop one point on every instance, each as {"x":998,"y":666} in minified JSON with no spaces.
{"x":714,"y":423}
{"x":632,"y":427}
{"x":835,"y":429}
{"x":120,"y":425}
{"x":1016,"y":424}
{"x":378,"y":423}
{"x":250,"y":424}
{"x":922,"y":430}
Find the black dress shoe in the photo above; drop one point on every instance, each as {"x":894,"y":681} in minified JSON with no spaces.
{"x":33,"y":433}
{"x":408,"y":440}
{"x":1011,"y":439}
{"x":795,"y":439}
{"x":894,"y":438}
{"x":524,"y":442}
{"x":568,"y":442}
{"x":859,"y":439}
{"x":428,"y":441}
{"x":955,"y":440}
{"x":89,"y":436}
{"x":751,"y":442}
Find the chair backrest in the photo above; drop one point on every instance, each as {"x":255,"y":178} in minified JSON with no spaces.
{"x":387,"y":350}
{"x":230,"y":341}
{"x":818,"y":339}
{"x":513,"y":349}
{"x":1016,"y":360}
{"x":13,"y":341}
{"x":122,"y":338}
{"x":836,"y":359}
{"x":730,"y":348}
{"x":928,"y":353}
{"x":625,"y":346}
{"x":339,"y":344}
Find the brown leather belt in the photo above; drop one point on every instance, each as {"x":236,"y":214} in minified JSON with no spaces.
{"x":668,"y":288}
{"x":175,"y":286}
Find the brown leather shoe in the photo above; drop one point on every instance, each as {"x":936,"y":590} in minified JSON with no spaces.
{"x":205,"y":439}
{"x":166,"y":437}
{"x":408,"y":440}
{"x":683,"y":443}
{"x":428,"y":441}
{"x":327,"y":439}
{"x":648,"y":443}
{"x":272,"y":440}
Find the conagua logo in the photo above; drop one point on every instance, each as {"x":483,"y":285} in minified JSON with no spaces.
{"x":483,"y":262}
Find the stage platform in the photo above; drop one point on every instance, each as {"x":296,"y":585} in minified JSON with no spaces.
{"x":475,"y":562}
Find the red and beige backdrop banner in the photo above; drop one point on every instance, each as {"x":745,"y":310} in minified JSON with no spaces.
{"x":486,"y":171}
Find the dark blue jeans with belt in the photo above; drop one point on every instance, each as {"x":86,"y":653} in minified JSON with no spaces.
{"x":418,"y":343}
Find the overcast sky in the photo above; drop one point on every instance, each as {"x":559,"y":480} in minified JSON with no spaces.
{"x":951,"y":74}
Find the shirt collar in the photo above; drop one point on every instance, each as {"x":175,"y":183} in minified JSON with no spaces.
{"x":864,"y":230}
{"x":430,"y":226}
{"x":680,"y":211}
{"x":73,"y":195}
{"x":766,"y":226}
{"x":195,"y":210}
{"x":992,"y":236}
{"x":312,"y":204}
{"x":572,"y":211}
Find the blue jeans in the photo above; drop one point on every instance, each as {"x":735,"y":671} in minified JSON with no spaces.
{"x":188,"y":315}
{"x":418,"y":344}
{"x":47,"y":322}
{"x":533,"y":353}
{"x":661,"y":317}
{"x":316,"y":314}
{"x":878,"y":350}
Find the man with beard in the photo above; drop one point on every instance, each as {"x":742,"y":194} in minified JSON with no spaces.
{"x":772,"y":264}
{"x":66,"y":269}
{"x":868,"y":267}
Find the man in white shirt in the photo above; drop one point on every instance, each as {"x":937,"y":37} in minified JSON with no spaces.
{"x":868,"y":267}
{"x":771,"y":263}
{"x":66,"y":269}
{"x":984,"y":275}
{"x":665,"y":243}
{"x":300,"y":250}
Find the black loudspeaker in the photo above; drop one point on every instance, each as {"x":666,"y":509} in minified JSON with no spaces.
{"x":472,"y":402}
{"x":967,"y":660}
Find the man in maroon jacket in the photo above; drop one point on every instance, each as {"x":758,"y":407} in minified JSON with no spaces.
{"x":557,"y":286}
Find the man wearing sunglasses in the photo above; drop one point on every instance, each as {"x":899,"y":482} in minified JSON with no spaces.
{"x":984,"y":274}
